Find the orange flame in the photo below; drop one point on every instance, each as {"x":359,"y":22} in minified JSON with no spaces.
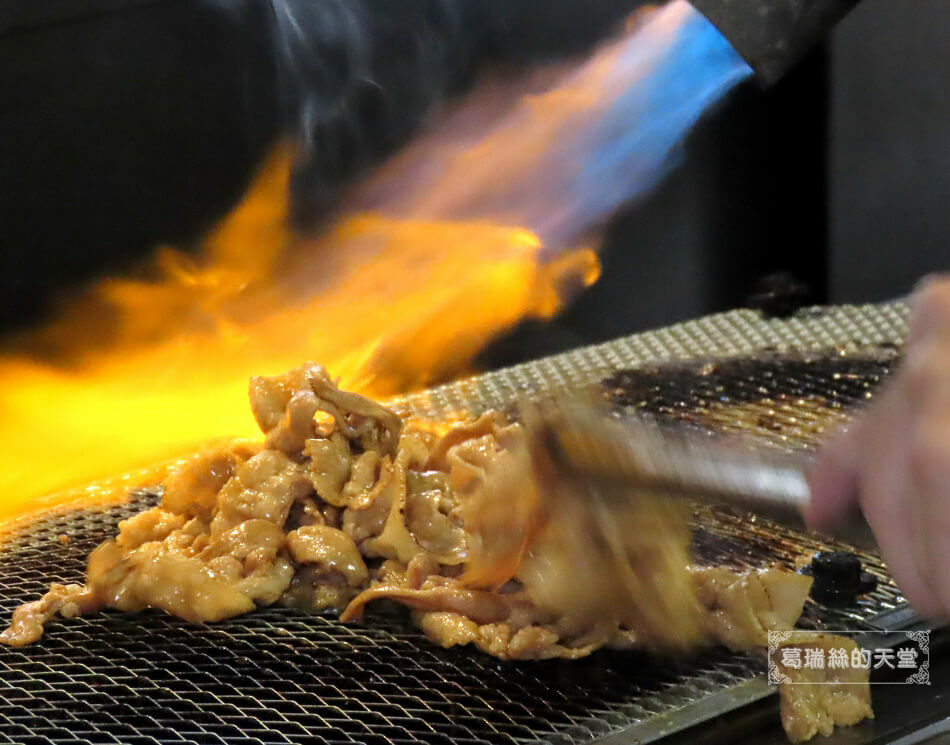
{"x":150,"y":370}
{"x":442,"y":250}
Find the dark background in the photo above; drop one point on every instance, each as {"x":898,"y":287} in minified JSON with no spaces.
{"x":143,"y":125}
{"x":890,"y":148}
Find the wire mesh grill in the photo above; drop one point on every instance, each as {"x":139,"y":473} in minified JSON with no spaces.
{"x":279,"y":676}
{"x":788,"y":401}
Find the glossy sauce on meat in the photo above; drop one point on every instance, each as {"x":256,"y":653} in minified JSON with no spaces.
{"x":345,"y":505}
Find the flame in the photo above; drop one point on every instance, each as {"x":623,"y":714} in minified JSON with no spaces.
{"x":403,"y":303}
{"x":482,"y":222}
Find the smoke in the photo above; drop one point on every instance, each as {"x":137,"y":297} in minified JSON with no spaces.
{"x":357,"y":77}
{"x":557,"y":150}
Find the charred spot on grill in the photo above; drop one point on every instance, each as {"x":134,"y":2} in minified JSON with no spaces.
{"x":769,"y":393}
{"x":713,"y":548}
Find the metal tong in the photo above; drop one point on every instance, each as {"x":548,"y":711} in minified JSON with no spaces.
{"x":579,"y":441}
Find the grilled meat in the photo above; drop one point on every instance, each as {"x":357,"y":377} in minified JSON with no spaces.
{"x":816,"y":700}
{"x":345,"y":505}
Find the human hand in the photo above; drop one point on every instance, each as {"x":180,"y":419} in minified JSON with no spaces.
{"x":894,"y":461}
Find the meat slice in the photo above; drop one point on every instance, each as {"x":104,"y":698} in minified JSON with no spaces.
{"x":285,"y":406}
{"x":741,"y":608}
{"x":817,"y":699}
{"x":498,"y":639}
{"x":330,"y":569}
{"x":435,"y":594}
{"x":192,"y":489}
{"x":263,"y":488}
{"x":329,"y":550}
{"x":28,"y":620}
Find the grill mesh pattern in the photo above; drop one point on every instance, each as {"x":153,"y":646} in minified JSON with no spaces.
{"x":278,"y":676}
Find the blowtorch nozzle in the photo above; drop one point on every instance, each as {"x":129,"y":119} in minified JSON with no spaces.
{"x":772,"y":35}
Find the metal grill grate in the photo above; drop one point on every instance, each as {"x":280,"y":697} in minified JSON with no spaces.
{"x":787,"y":401}
{"x":278,"y":676}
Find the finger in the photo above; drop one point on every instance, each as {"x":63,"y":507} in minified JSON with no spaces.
{"x":888,"y":495}
{"x":930,"y":308}
{"x":924,"y":375}
{"x":833,"y":479}
{"x":929,"y":514}
{"x":907,"y":464}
